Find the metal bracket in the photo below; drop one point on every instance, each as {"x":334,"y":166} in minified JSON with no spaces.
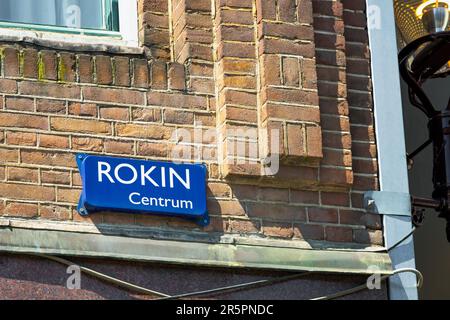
{"x":388,"y":203}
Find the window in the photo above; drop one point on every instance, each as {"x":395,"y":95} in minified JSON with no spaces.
{"x":103,"y":18}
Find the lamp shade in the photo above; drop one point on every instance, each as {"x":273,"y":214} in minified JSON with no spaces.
{"x":417,"y":18}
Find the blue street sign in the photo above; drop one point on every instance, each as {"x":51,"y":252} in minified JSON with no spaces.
{"x":139,"y":186}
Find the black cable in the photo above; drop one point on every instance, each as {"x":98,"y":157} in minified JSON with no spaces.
{"x":248,"y":285}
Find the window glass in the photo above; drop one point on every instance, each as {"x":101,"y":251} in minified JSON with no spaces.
{"x":80,"y":14}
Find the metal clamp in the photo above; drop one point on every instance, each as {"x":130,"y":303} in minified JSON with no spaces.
{"x":388,"y":203}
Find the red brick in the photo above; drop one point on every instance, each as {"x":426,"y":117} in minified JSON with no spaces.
{"x":80,"y":125}
{"x":20,"y":104}
{"x":85,"y":68}
{"x":278,"y":230}
{"x":338,"y":234}
{"x":281,"y":212}
{"x":103,"y":68}
{"x":244,"y":226}
{"x":27,"y":192}
{"x":30,"y":63}
{"x":122,"y":71}
{"x":53,"y":141}
{"x":114,"y":113}
{"x":273,"y":194}
{"x":52,"y":212}
{"x":152,"y":149}
{"x":11,"y":62}
{"x":144,"y":131}
{"x":23,"y":174}
{"x":328,"y":215}
{"x":48,"y":158}
{"x":68,"y":195}
{"x":146,"y":114}
{"x":87,"y":144}
{"x":51,"y":106}
{"x":291,"y":72}
{"x":140,"y":73}
{"x":49,"y":90}
{"x":48,"y":65}
{"x":8,"y":86}
{"x":23,"y":121}
{"x":83,"y":109}
{"x":21,"y":138}
{"x":309,"y":231}
{"x":369,"y":237}
{"x":122,"y":96}
{"x":22,"y":210}
{"x":55,"y":177}
{"x":335,"y":199}
{"x":178,"y":117}
{"x":176,"y":76}
{"x":8,"y":155}
{"x":67,"y":68}
{"x":159,"y":75}
{"x":120,"y":147}
{"x":226,"y":207}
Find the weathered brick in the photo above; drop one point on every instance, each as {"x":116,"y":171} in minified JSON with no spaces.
{"x":80,"y":125}
{"x":8,"y":155}
{"x":278,"y":230}
{"x":51,"y":106}
{"x":309,"y":231}
{"x":20,"y":104}
{"x":291,"y":72}
{"x":53,"y":212}
{"x":23,"y":174}
{"x":30,"y":63}
{"x":85,"y":68}
{"x":281,"y":212}
{"x":120,"y":147}
{"x":48,"y":158}
{"x":11,"y":62}
{"x":67,"y":67}
{"x":176,"y":76}
{"x":21,"y":138}
{"x":140,"y":73}
{"x":244,"y":226}
{"x":83,"y":109}
{"x":23,"y":121}
{"x":114,"y":113}
{"x":103,"y":70}
{"x":122,"y":96}
{"x":159,"y":75}
{"x":22,"y":210}
{"x":49,"y":90}
{"x":55,"y":177}
{"x":87,"y":144}
{"x":317,"y":214}
{"x":68,"y":195}
{"x":27,"y":192}
{"x":8,"y":86}
{"x":122,"y":71}
{"x":148,"y":149}
{"x":48,"y":65}
{"x":53,"y":141}
{"x":144,"y":131}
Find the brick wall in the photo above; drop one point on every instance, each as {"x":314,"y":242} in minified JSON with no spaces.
{"x":298,"y":68}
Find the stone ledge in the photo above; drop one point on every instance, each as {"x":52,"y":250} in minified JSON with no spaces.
{"x":19,"y":240}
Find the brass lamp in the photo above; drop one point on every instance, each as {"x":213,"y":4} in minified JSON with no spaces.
{"x":424,"y":29}
{"x":417,"y":18}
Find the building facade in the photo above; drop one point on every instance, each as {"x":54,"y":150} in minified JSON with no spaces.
{"x":275,"y":97}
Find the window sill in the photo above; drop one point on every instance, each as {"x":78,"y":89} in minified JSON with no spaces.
{"x":70,"y":42}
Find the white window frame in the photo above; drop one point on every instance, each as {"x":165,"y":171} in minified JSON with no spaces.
{"x":127,"y":36}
